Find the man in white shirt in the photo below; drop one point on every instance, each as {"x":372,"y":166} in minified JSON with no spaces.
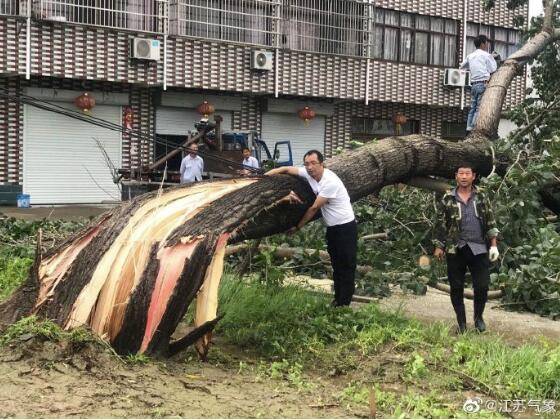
{"x":342,"y":233}
{"x":481,"y":65}
{"x":248,"y":162}
{"x":192,"y":166}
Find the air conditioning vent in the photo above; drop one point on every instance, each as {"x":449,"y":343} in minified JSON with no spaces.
{"x":261,"y":60}
{"x":145,"y":49}
{"x":456,"y":78}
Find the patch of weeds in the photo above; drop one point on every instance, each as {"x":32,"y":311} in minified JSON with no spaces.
{"x":219,"y":357}
{"x":13,"y":271}
{"x":413,"y":404}
{"x":371,"y":339}
{"x":416,"y":367}
{"x":356,"y":392}
{"x":46,"y":330}
{"x":524,"y":372}
{"x":34,"y":327}
{"x":285,"y":371}
{"x":138,"y":359}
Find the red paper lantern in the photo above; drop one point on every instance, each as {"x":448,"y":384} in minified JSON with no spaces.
{"x":399,"y":118}
{"x":85,"y":102}
{"x":128,"y":117}
{"x":205,"y":109}
{"x":306,"y":114}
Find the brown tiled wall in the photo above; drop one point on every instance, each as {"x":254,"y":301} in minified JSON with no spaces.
{"x":136,"y":151}
{"x":85,"y":53}
{"x":338,"y":127}
{"x":249,"y":118}
{"x":11,"y":134}
{"x":500,"y":15}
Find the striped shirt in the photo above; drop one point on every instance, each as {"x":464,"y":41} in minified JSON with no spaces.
{"x":471,"y":225}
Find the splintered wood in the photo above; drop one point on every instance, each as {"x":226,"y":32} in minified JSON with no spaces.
{"x":102,"y":303}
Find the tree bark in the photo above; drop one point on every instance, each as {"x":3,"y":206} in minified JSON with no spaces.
{"x":132,"y":273}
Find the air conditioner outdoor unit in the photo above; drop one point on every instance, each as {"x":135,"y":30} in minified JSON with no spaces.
{"x":145,"y":49}
{"x":456,"y":78}
{"x":261,"y":60}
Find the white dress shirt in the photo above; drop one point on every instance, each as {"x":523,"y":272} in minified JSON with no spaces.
{"x":251,"y":162}
{"x":191,"y":169}
{"x":480,"y":64}
{"x":337,"y":210}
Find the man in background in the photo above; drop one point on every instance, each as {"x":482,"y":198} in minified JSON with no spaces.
{"x":248,"y":162}
{"x":192,"y":166}
{"x":481,"y":65}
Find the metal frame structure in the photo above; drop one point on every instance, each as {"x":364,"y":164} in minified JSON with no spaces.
{"x":343,"y":27}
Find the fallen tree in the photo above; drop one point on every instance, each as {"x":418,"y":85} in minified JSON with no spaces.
{"x":131,"y":274}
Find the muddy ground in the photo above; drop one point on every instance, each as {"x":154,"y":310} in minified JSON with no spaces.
{"x":46,"y":379}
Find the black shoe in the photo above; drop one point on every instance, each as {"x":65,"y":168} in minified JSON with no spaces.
{"x":461,"y":328}
{"x":480,"y":325}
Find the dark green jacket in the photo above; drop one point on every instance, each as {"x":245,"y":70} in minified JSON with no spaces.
{"x":447,"y":225}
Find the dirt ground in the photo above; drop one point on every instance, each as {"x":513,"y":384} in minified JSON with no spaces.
{"x":49,"y":380}
{"x":46,"y":379}
{"x":513,"y":327}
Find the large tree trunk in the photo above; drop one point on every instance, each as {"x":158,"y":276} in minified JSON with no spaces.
{"x":132,"y":273}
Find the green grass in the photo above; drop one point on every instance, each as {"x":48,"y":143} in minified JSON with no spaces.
{"x":44,"y":329}
{"x":300,"y":328}
{"x":13,"y":271}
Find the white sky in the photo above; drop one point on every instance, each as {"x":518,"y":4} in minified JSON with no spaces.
{"x":535,"y":7}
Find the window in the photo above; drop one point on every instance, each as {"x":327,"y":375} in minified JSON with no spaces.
{"x":502,"y":40}
{"x":333,"y":27}
{"x":139,"y":15}
{"x":366,"y":129}
{"x":247,"y":21}
{"x":453,"y":130}
{"x":410,"y":38}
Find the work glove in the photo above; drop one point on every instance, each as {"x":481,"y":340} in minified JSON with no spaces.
{"x":493,"y":254}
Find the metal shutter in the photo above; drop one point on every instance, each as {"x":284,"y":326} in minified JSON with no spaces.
{"x":62,"y":163}
{"x":179,"y":121}
{"x":303,"y":137}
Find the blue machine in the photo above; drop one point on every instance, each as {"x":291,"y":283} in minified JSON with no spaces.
{"x":282,"y":153}
{"x":238,"y":140}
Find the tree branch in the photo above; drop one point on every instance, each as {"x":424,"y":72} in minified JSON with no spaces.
{"x":493,"y":100}
{"x":548,"y":6}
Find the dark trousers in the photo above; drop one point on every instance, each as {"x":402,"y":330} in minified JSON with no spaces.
{"x":456,"y":268}
{"x":342,"y":245}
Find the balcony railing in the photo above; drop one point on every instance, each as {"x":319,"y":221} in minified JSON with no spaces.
{"x":245,"y":21}
{"x":136,"y":15}
{"x":346,"y":27}
{"x":11,"y":8}
{"x":327,"y":26}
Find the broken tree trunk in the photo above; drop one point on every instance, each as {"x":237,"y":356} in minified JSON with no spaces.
{"x":132,"y":273}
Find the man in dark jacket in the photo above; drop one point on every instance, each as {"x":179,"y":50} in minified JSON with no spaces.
{"x":465,"y":226}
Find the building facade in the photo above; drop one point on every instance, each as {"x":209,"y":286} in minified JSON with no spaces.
{"x":356,"y":63}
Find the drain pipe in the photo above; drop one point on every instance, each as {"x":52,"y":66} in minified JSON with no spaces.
{"x":464,"y":49}
{"x":276,"y":67}
{"x":164,"y":61}
{"x":28,"y":42}
{"x":368,"y":62}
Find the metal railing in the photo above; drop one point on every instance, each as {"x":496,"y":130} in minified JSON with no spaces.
{"x":12,"y":8}
{"x":327,"y":26}
{"x":245,"y":21}
{"x":135,"y":15}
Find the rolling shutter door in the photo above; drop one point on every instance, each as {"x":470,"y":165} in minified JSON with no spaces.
{"x":62,"y":163}
{"x":303,"y":137}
